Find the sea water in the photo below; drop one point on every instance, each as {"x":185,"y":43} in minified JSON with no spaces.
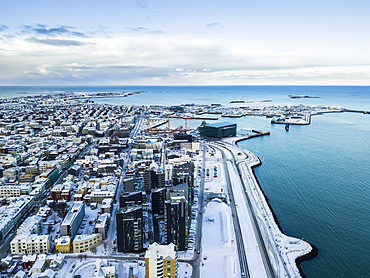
{"x":316,"y":177}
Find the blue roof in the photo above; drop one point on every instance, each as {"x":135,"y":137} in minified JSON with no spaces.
{"x":220,"y":124}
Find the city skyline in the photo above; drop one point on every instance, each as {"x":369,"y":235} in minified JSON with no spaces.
{"x":184,"y":43}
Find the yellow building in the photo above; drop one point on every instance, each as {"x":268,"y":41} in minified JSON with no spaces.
{"x":83,"y":243}
{"x":63,"y":244}
{"x":161,"y":261}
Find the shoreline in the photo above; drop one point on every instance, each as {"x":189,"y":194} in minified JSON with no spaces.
{"x":299,"y":259}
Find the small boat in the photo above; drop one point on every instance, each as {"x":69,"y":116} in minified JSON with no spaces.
{"x":287,"y":126}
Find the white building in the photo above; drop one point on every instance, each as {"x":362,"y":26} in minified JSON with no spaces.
{"x":26,"y":243}
{"x":11,"y":214}
{"x":161,"y":261}
{"x":10,"y":190}
{"x":103,"y":270}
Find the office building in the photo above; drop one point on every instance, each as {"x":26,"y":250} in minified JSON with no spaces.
{"x":177,"y":222}
{"x":158,"y":199}
{"x":130,"y":235}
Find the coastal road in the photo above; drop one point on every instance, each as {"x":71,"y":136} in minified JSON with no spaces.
{"x":253,"y":257}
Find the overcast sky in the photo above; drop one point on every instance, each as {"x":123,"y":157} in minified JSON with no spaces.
{"x":160,"y":42}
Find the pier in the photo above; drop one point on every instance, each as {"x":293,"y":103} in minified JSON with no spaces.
{"x":356,"y":111}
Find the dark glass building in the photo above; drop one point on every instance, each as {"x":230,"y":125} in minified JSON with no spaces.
{"x":177,"y":222}
{"x":130,"y":236}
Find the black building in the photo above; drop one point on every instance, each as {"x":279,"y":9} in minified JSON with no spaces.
{"x":132,"y":199}
{"x":153,"y":179}
{"x":183,"y":137}
{"x":184,"y":173}
{"x":218,"y":130}
{"x":177,"y":222}
{"x":129,"y":184}
{"x":130,"y":236}
{"x":158,"y":199}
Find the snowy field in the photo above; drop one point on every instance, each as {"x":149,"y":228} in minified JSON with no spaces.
{"x":219,"y":251}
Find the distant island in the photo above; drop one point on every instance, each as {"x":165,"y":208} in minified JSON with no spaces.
{"x":301,"y":96}
{"x":244,"y":101}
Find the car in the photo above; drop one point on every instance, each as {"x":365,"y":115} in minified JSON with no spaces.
{"x":198,"y":252}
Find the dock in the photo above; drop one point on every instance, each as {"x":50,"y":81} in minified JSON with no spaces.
{"x":356,"y":111}
{"x":235,"y":140}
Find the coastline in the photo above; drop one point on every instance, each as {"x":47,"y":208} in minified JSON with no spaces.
{"x":300,"y":256}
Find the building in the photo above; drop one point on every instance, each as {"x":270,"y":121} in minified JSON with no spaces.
{"x":154,"y":177}
{"x":38,"y":266}
{"x":104,"y":270}
{"x":83,"y":243}
{"x":161,"y":261}
{"x":177,"y":222}
{"x":63,"y":244}
{"x":107,"y":206}
{"x":73,"y":219}
{"x":131,"y":199}
{"x":56,"y":192}
{"x":98,"y":195}
{"x":158,"y":198}
{"x":57,"y":262}
{"x":10,"y":190}
{"x":102,"y":224}
{"x":130,"y":235}
{"x":218,"y":130}
{"x":129,"y":184}
{"x":10,"y":215}
{"x":32,"y":224}
{"x":26,"y":243}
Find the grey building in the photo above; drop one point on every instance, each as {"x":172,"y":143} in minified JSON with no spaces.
{"x":73,"y":219}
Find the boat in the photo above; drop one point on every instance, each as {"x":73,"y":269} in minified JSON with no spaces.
{"x":287,"y":126}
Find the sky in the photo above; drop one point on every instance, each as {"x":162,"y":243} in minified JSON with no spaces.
{"x":203,"y":42}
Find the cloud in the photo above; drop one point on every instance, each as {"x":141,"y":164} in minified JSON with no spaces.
{"x":36,"y":58}
{"x":3,"y":27}
{"x":141,"y":5}
{"x":144,"y":30}
{"x":56,"y":42}
{"x":43,"y":71}
{"x":63,"y":30}
{"x":213,"y":25}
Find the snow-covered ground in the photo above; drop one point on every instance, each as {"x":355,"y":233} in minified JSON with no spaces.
{"x":219,"y":250}
{"x":86,"y":267}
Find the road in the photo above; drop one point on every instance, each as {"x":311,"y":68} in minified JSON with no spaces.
{"x":196,"y":260}
{"x":255,"y":262}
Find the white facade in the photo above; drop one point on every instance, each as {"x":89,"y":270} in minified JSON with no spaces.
{"x":154,"y":261}
{"x":24,"y":243}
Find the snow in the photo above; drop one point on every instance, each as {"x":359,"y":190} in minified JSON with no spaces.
{"x":251,"y":246}
{"x":219,"y":250}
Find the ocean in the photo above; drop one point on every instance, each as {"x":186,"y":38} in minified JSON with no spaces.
{"x":316,"y":177}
